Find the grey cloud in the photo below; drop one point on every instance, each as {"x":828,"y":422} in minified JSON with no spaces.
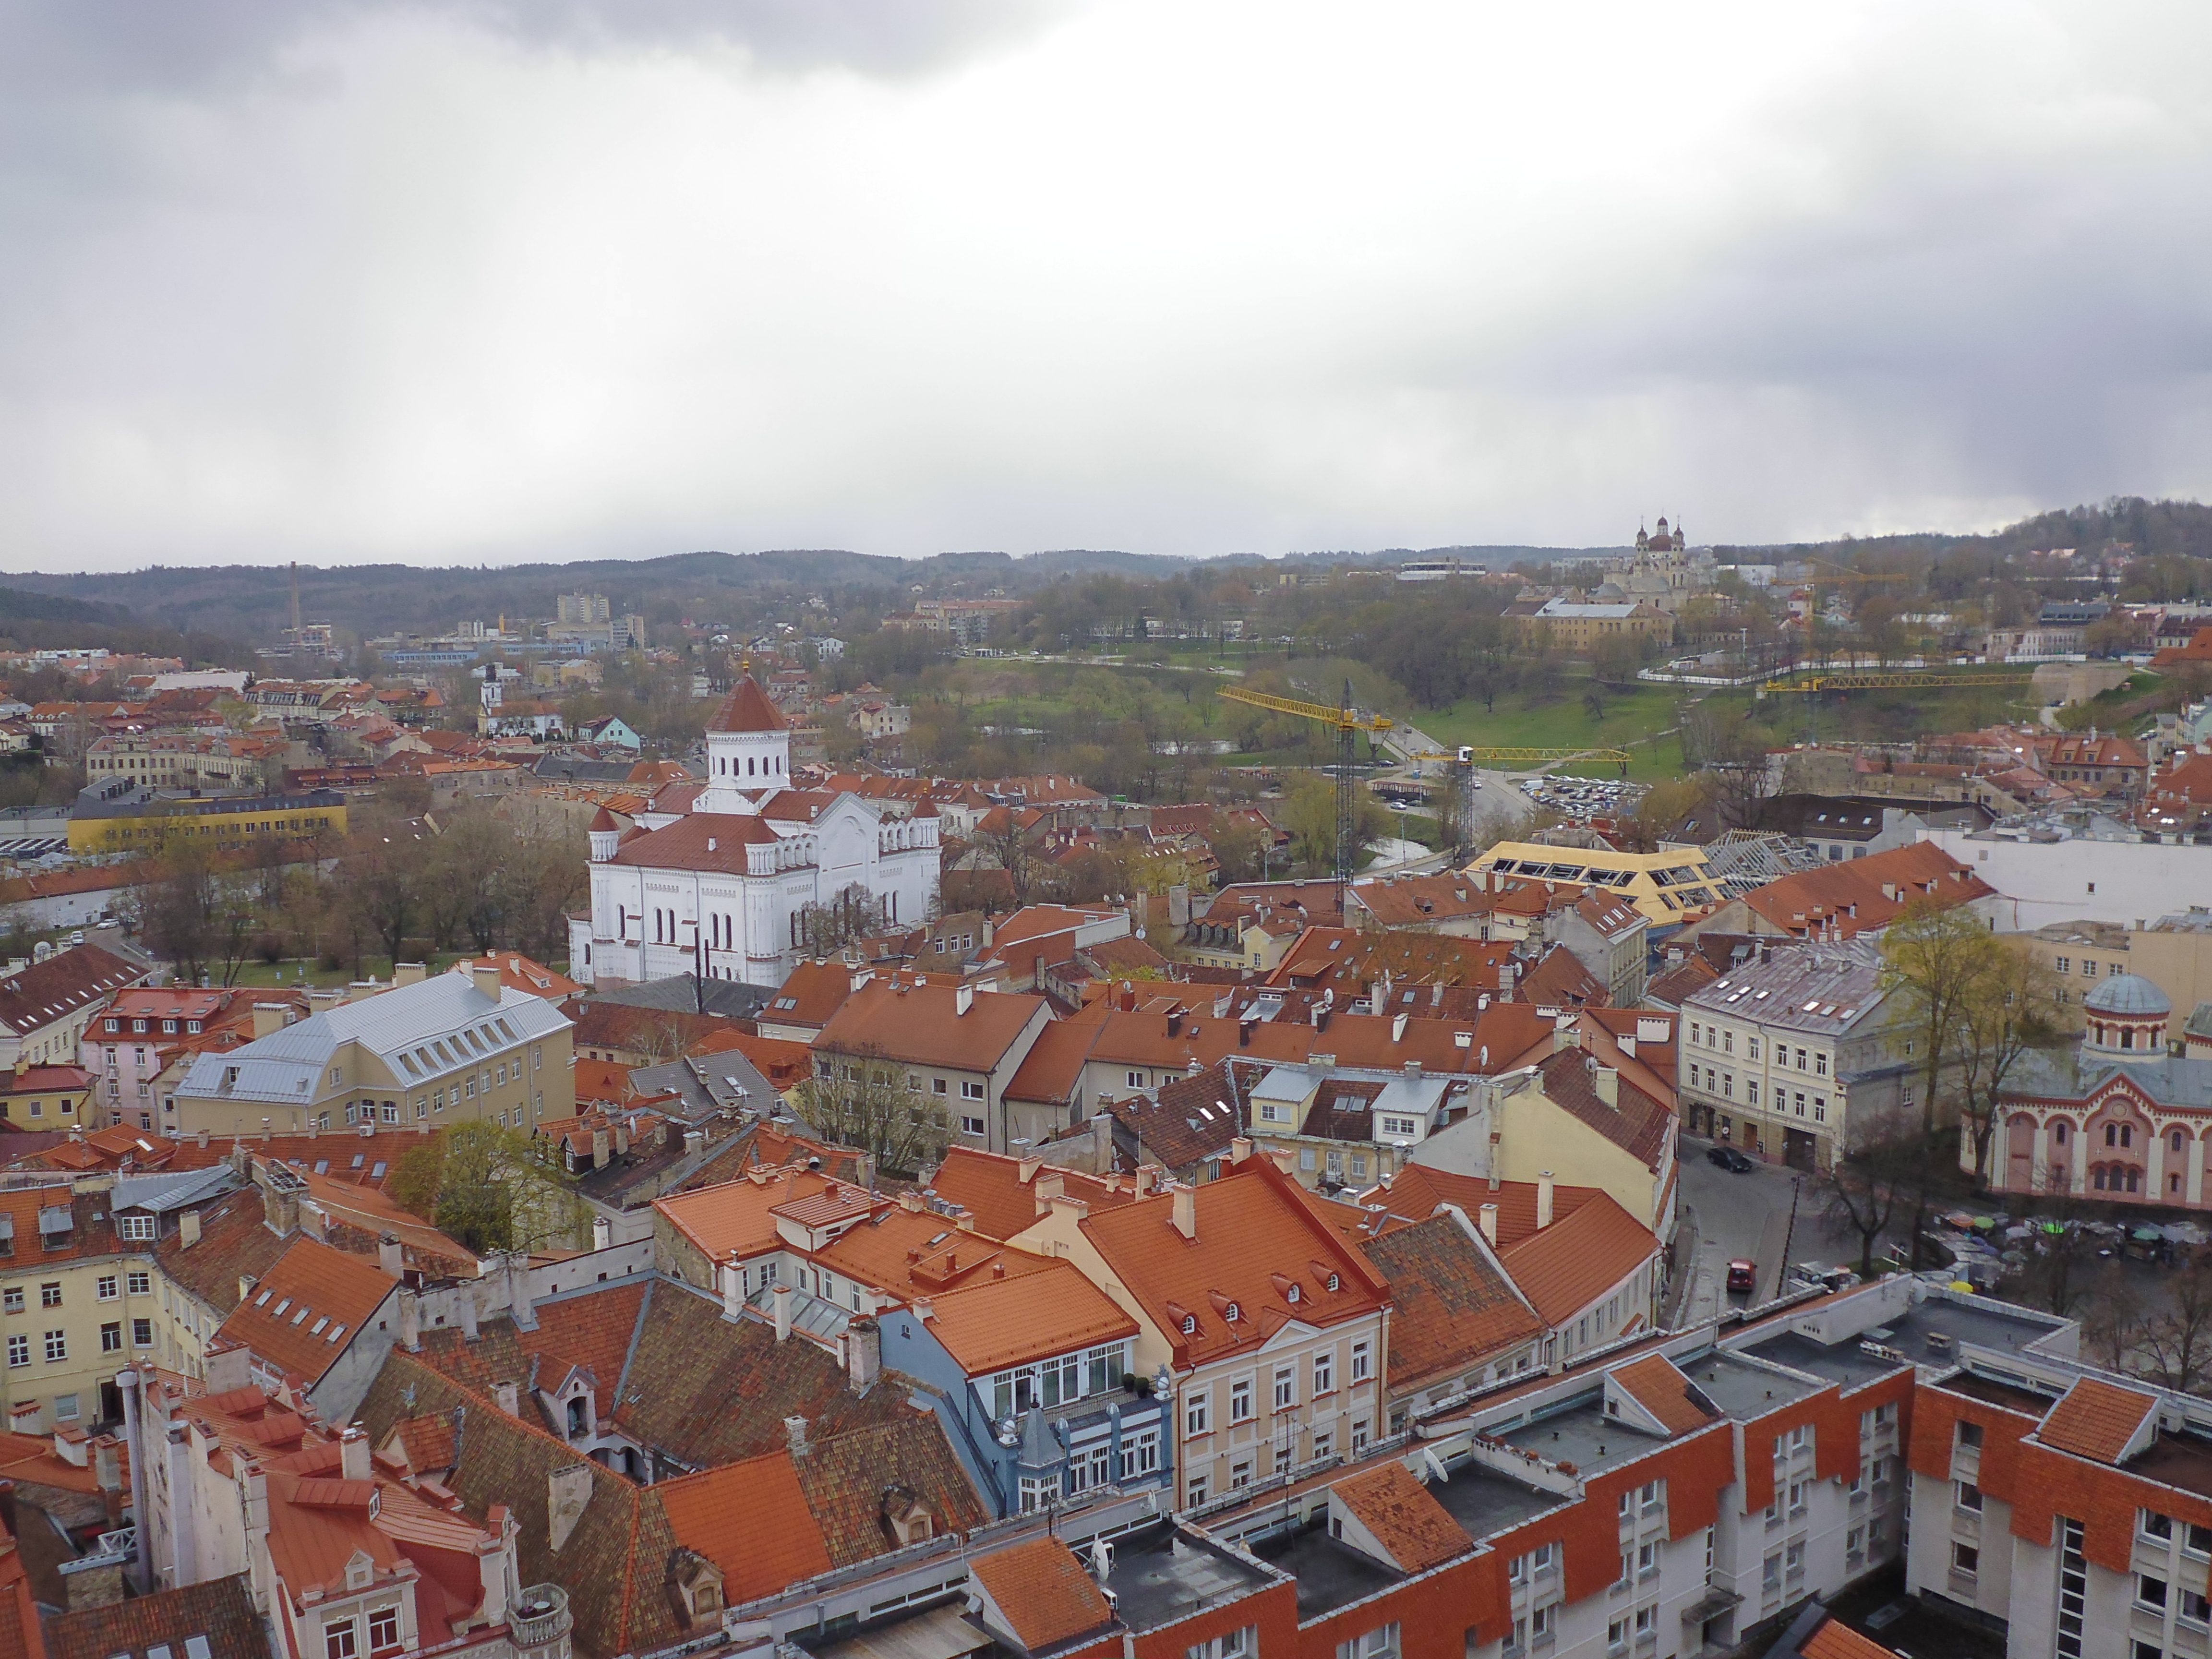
{"x":208,"y":48}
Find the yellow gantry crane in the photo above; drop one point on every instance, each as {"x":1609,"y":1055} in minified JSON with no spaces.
{"x":1902,"y":680}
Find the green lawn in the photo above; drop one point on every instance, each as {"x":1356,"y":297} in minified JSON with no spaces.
{"x":1632,"y":719}
{"x":259,"y":973}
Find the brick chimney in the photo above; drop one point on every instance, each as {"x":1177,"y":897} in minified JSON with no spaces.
{"x":864,"y":1353}
{"x":486,"y":975}
{"x":269,"y":1018}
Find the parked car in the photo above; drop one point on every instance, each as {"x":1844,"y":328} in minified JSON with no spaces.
{"x":1729,"y":1159}
{"x":1743,"y":1275}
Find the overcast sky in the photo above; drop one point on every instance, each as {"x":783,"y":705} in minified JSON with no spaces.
{"x":341,"y":281}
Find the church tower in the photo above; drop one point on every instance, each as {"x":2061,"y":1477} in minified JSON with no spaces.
{"x":748,"y":750}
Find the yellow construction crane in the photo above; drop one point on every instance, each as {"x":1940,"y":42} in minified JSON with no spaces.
{"x":1347,"y":720}
{"x":1924,"y":680}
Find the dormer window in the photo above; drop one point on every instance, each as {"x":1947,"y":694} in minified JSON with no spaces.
{"x":1190,"y":1324}
{"x":1296,"y":1292}
{"x":1230,"y":1313}
{"x":1335,"y":1283}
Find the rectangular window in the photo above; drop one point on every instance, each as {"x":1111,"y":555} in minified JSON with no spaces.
{"x":971,"y":1091}
{"x":50,"y":1295}
{"x":1140,"y":1453}
{"x":1240,"y":1399}
{"x":2150,"y":1592}
{"x":108,"y":1286}
{"x":339,"y":1640}
{"x":111,"y":1337}
{"x":15,"y":1298}
{"x":1198,"y":1413}
{"x":139,"y":1284}
{"x":1324,"y":1372}
{"x":57,"y":1347}
{"x":383,"y":1629}
{"x":1966,"y":1559}
{"x":65,"y":1408}
{"x":138,"y":1227}
{"x":19,"y":1350}
{"x":1363,"y":1362}
{"x":1967,"y":1496}
{"x":1240,"y":1474}
{"x":971,"y":1126}
{"x":2149,"y":1522}
{"x":142,"y":1333}
{"x":1378,"y":1644}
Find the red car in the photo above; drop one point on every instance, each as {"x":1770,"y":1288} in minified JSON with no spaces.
{"x":1743,"y":1275}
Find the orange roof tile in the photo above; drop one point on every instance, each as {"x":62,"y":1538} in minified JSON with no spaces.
{"x":751,"y":1520}
{"x":1417,"y":1532}
{"x":2096,"y":1420}
{"x":1837,"y":1640}
{"x":1042,"y":1592}
{"x":300,"y":1317}
{"x":997,"y":1322}
{"x":1578,"y":1258}
{"x":1256,"y":1241}
{"x":1453,"y":1307}
{"x":1655,"y":1384}
{"x":918,"y":1024}
{"x":737,"y":1217}
{"x":747,"y":710}
{"x":990,"y":1187}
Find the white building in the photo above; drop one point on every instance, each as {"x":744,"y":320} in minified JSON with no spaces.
{"x":714,"y":876}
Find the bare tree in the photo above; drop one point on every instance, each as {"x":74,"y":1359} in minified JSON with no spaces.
{"x":1932,"y":960}
{"x":2113,"y":1326}
{"x":846,"y":916}
{"x":1011,"y":849}
{"x":1857,"y":1195}
{"x":862,"y":1097}
{"x":2175,"y":1346}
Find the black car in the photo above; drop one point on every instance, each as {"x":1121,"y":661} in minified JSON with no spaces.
{"x":1730,"y":1159}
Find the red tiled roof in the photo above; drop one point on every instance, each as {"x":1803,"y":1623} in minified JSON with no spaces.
{"x":1655,"y":1384}
{"x":1257,"y":1240}
{"x":2096,"y":1420}
{"x":997,"y":1322}
{"x":300,"y":1317}
{"x":990,"y":1187}
{"x":1850,"y":894}
{"x":751,"y":1520}
{"x":1454,"y":1308}
{"x":685,"y":844}
{"x":1417,"y":1532}
{"x":53,"y":989}
{"x":1042,"y":1592}
{"x":1837,"y":1640}
{"x":919,"y":1025}
{"x":814,"y":991}
{"x":747,"y":710}
{"x":1570,"y":1264}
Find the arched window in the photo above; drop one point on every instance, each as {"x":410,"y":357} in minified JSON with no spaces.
{"x":2177,"y":1140}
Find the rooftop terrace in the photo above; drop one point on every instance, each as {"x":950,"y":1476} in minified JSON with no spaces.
{"x":1163,"y":1574}
{"x":1329,"y":1574}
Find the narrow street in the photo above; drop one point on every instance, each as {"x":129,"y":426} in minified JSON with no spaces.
{"x":1747,"y":1215}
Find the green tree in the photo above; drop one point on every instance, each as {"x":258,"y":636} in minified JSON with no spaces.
{"x":1932,"y":959}
{"x":495,"y":1188}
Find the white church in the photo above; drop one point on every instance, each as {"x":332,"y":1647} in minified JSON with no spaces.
{"x":712,"y":878}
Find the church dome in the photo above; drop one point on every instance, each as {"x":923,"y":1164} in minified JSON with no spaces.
{"x":2128,"y":995}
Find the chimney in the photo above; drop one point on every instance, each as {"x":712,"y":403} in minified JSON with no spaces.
{"x":694,"y":1141}
{"x":1185,"y":1212}
{"x":602,"y":1148}
{"x":411,"y":1321}
{"x":781,"y":1298}
{"x":603,"y":1232}
{"x":1398,"y":1027}
{"x":1607,"y":1079}
{"x":227,"y":1365}
{"x":361,"y":989}
{"x":864,"y":1353}
{"x":794,"y":1431}
{"x":508,"y":1396}
{"x":1030,"y":1164}
{"x":1565,"y":1035}
{"x":268,"y":1017}
{"x":1488,"y":1216}
{"x":1240,"y":1148}
{"x":522,"y":1307}
{"x":353,"y":1453}
{"x":389,"y":1256}
{"x":246,"y":1282}
{"x":486,"y":975}
{"x":407,"y":973}
{"x":1543,"y":1200}
{"x":964,"y":999}
{"x":468,"y":1315}
{"x":188,"y":1230}
{"x":107,"y":1474}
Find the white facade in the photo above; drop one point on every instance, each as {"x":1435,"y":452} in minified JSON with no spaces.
{"x":715,"y":886}
{"x":2132,"y":883}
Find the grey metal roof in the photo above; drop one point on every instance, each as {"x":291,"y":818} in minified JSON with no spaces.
{"x":1823,"y":990}
{"x":708,"y":1083}
{"x":2127,"y":993}
{"x":442,"y":1025}
{"x":2073,"y":1075}
{"x":173,"y":1191}
{"x":680,"y":994}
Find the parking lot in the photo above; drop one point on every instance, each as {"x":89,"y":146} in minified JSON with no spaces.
{"x":1581,"y":797}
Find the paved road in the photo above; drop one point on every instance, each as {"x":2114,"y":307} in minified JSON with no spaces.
{"x":1748,"y":1215}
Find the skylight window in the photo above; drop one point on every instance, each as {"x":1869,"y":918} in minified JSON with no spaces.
{"x":299,"y":1316}
{"x":262,"y":1300}
{"x":277,"y":1312}
{"x":337,"y":1331}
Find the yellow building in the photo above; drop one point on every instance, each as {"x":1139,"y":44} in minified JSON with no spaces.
{"x":1662,"y":885}
{"x":1575,"y":626}
{"x":450,"y":1048}
{"x":131,"y":821}
{"x":76,"y":1305}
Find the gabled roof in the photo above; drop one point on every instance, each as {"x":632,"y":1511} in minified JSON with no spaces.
{"x":920,"y":1024}
{"x":1411,"y":1527}
{"x":1655,"y":1384}
{"x":1639,"y":1124}
{"x":45,"y":992}
{"x":2097,"y":1420}
{"x":1561,"y":981}
{"x":1455,"y":1307}
{"x":1257,"y":1241}
{"x":750,"y":1519}
{"x":1848,"y":896}
{"x":699,"y":840}
{"x":811,"y":993}
{"x":1053,"y":1069}
{"x":302,"y":1317}
{"x":747,"y":710}
{"x":1189,"y":1121}
{"x":996,"y":1322}
{"x":218,"y":1611}
{"x":993,"y":1189}
{"x":1042,"y":1593}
